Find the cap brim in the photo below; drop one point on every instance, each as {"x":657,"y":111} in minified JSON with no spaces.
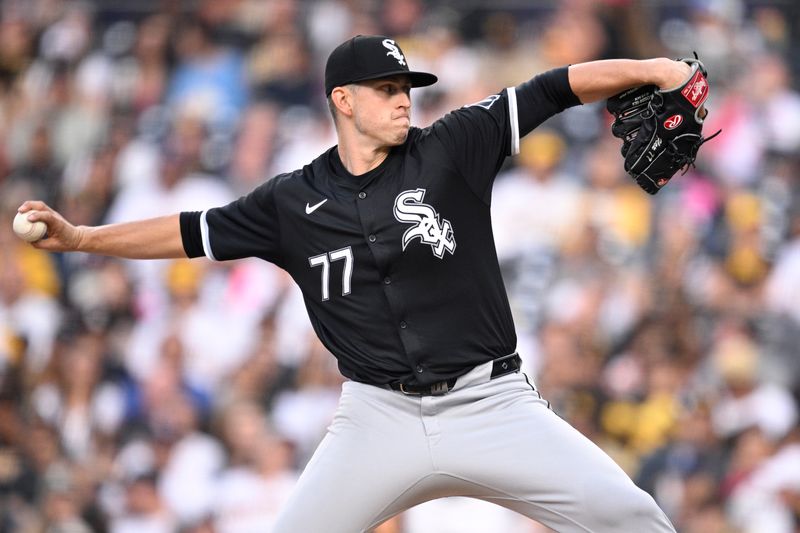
{"x":418,"y":79}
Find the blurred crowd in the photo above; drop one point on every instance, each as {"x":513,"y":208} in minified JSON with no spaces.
{"x":178,"y":396}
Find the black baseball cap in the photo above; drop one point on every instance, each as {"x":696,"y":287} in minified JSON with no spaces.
{"x":369,"y":57}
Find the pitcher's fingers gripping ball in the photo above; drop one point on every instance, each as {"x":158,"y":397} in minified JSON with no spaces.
{"x":27,"y":230}
{"x":661,"y":130}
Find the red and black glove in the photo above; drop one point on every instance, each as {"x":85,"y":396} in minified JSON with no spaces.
{"x":661,"y":131}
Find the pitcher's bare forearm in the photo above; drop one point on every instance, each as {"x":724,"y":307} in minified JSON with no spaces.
{"x":154,"y":238}
{"x":598,"y":80}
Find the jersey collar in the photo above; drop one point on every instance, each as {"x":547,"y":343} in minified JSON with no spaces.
{"x":349,"y":181}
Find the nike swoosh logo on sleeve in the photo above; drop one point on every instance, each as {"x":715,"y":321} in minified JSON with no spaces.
{"x":311,"y":208}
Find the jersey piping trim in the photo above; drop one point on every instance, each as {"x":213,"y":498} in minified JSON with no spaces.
{"x":205,"y":236}
{"x":513,"y":117}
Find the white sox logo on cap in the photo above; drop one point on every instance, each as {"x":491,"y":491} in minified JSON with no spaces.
{"x":394,"y":51}
{"x":409,"y":209}
{"x":364,"y":58}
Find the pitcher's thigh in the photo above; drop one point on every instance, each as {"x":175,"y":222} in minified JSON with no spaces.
{"x":345,"y":488}
{"x":535,"y":463}
{"x":365,"y":463}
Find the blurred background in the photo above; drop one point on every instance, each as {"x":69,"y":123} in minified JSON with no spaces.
{"x":177,"y":396}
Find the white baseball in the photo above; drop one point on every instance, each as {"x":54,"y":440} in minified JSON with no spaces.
{"x":27,"y":230}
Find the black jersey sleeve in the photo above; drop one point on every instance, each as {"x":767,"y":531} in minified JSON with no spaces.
{"x":542,"y":97}
{"x":478,"y":137}
{"x":190,"y":233}
{"x":247,"y":227}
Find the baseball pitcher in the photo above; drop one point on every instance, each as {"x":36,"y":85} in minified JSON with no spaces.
{"x":388,"y":235}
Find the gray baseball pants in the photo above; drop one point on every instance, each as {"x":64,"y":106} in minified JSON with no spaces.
{"x":493,"y":439}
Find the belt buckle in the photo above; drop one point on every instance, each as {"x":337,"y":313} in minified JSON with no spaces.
{"x":437,"y":389}
{"x":408,"y":393}
{"x":440,"y":388}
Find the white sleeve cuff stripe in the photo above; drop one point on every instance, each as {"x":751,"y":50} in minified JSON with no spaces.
{"x":514,"y":119}
{"x":205,"y":236}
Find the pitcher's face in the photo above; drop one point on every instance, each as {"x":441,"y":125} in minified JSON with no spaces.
{"x":382,"y":109}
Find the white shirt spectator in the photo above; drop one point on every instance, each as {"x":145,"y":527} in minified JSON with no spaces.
{"x":757,"y":505}
{"x":783,"y":285}
{"x":303,"y":415}
{"x":187,"y":483}
{"x":528,"y":213}
{"x":463,"y":515}
{"x":769,"y":407}
{"x":37,"y":318}
{"x":143,"y":524}
{"x":195,"y":192}
{"x":247,"y":502}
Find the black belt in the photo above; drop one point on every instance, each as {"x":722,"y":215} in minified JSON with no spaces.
{"x":500,"y":367}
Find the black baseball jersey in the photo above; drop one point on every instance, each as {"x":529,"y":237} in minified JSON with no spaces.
{"x":397,"y":266}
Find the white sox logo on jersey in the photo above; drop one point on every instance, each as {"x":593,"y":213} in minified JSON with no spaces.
{"x":394,"y":51}
{"x":409,"y":209}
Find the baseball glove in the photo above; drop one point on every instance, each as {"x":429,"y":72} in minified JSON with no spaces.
{"x":661,"y":130}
